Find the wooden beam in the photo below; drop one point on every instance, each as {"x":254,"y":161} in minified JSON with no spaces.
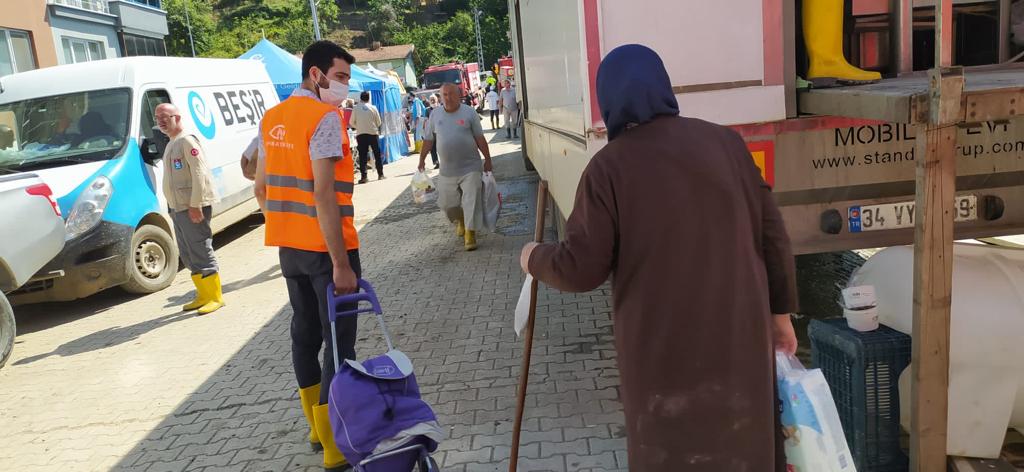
{"x":933,"y":272}
{"x":943,"y":33}
{"x":1003,"y":36}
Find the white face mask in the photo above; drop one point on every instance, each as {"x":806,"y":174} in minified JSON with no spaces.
{"x":335,"y":94}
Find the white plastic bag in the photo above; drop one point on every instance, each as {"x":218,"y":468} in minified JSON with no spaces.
{"x":523,"y":305}
{"x":492,"y":202}
{"x":810,"y":422}
{"x":423,"y":189}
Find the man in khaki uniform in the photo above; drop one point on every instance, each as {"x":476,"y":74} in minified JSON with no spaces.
{"x":188,"y":188}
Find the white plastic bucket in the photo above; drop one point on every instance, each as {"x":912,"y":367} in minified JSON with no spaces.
{"x":862,"y":320}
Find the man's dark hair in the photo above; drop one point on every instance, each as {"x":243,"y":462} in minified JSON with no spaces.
{"x":365,"y":96}
{"x":322,"y":55}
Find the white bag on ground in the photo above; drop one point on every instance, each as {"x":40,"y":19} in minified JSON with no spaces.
{"x":814,"y":436}
{"x":492,"y":202}
{"x":423,"y":189}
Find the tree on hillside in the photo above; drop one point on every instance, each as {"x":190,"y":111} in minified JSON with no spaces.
{"x":200,"y":17}
{"x":239,"y":24}
{"x":385,"y":19}
{"x":455,"y":39}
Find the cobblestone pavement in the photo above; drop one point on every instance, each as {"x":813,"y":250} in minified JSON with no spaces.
{"x":130,"y":383}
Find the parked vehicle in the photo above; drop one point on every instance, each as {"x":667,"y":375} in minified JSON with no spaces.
{"x":840,"y":183}
{"x":32,"y":233}
{"x":87,"y":130}
{"x":466,"y":76}
{"x":506,"y":68}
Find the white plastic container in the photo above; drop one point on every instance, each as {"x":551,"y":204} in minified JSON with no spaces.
{"x":860,"y":296}
{"x":986,"y":351}
{"x":862,"y":320}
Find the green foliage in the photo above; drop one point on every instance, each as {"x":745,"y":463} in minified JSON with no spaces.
{"x":238,"y":24}
{"x":227,"y":28}
{"x":200,"y":17}
{"x":455,"y":39}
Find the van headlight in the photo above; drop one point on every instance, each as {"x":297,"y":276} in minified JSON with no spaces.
{"x":88,"y":209}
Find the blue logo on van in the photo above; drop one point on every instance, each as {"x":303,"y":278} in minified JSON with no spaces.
{"x":201,"y":115}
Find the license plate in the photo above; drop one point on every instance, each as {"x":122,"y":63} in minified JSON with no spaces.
{"x":901,"y":214}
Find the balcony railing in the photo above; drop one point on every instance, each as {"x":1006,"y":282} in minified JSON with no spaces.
{"x":91,"y":5}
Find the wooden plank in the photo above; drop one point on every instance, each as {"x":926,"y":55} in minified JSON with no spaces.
{"x":1004,"y":31}
{"x":944,"y":33}
{"x":933,"y":273}
{"x":712,"y":87}
{"x":994,"y":90}
{"x":866,"y":104}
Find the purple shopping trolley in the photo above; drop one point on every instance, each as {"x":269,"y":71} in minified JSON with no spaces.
{"x":379,"y":420}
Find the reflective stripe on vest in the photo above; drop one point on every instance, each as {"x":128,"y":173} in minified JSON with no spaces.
{"x":307,"y":185}
{"x":303,"y":209}
{"x":291,"y":215}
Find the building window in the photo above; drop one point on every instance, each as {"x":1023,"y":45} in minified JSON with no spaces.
{"x":135,"y":45}
{"x":81,"y":50}
{"x":16,"y":52}
{"x":151,"y":3}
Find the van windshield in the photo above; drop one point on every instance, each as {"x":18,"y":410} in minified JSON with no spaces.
{"x":63,"y":129}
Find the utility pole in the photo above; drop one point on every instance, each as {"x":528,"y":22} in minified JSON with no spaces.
{"x":316,"y":21}
{"x":479,"y":43}
{"x":188,"y":24}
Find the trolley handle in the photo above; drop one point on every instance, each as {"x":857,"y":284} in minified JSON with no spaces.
{"x":367,"y":295}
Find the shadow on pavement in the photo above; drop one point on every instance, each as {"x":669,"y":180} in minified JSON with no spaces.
{"x":43,"y":316}
{"x":447,"y":309}
{"x":108,"y":337}
{"x":271,"y":273}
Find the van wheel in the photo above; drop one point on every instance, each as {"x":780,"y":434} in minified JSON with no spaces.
{"x":153,"y":261}
{"x":7,"y":330}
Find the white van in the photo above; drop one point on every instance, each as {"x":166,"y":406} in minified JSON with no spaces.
{"x":88,"y":131}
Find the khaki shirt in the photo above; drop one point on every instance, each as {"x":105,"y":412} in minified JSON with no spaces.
{"x":366,"y":119}
{"x":187,"y":178}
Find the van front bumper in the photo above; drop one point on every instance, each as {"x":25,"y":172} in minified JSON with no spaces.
{"x":90,"y":263}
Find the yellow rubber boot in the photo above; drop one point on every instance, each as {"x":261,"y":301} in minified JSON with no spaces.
{"x":460,"y":227}
{"x":470,"y":240}
{"x":823,"y":34}
{"x":202,"y":298}
{"x":309,"y":397}
{"x":333,"y":458}
{"x":214,"y":292}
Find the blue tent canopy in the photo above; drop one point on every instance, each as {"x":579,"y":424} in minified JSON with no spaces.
{"x":285,"y":69}
{"x":385,"y":94}
{"x":285,"y":72}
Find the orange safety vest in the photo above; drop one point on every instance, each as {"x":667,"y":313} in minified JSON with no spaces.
{"x":291,"y":210}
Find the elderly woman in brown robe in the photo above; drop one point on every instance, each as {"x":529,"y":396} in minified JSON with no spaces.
{"x":676,"y":212}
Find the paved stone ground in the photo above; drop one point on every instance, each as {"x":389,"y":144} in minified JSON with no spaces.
{"x":123,"y":383}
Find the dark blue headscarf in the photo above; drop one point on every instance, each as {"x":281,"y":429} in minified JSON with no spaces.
{"x":633,"y":88}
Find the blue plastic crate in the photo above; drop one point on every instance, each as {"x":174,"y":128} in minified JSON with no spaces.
{"x":863,"y":371}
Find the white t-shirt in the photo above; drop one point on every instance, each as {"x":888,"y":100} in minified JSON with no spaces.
{"x":492,"y":100}
{"x":508,"y":98}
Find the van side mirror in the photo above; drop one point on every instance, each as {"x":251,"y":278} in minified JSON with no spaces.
{"x":150,"y":151}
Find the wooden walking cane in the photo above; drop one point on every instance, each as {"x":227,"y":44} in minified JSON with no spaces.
{"x":524,"y":374}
